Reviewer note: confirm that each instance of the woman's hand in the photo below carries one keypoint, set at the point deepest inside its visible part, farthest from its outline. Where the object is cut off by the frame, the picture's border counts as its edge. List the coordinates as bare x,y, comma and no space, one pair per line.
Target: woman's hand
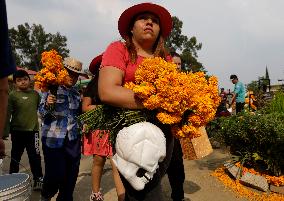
87,104
84,130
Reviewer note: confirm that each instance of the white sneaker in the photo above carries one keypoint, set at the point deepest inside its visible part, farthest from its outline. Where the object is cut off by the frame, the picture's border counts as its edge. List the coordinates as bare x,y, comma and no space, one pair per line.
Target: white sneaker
38,184
96,196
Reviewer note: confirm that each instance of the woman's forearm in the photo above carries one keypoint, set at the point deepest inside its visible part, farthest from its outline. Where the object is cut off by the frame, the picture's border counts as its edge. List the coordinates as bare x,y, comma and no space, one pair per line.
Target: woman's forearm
112,92
120,97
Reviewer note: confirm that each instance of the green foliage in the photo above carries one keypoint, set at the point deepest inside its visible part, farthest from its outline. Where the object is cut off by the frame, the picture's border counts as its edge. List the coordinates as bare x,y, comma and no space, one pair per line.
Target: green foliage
28,42
106,117
257,139
253,86
187,46
276,104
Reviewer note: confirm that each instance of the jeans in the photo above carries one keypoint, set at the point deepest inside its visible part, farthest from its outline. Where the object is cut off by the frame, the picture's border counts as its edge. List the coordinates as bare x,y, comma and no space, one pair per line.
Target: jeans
176,172
239,107
61,170
28,140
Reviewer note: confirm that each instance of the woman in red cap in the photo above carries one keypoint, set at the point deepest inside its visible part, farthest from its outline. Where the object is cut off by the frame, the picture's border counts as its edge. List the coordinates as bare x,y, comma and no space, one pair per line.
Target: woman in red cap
144,28
96,143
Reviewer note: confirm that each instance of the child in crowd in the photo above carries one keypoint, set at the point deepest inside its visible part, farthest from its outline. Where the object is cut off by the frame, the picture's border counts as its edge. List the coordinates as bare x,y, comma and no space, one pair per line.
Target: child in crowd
61,141
97,142
24,127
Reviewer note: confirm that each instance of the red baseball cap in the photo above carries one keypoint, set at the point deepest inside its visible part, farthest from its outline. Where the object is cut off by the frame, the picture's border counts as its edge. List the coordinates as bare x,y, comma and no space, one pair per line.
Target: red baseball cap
96,62
127,16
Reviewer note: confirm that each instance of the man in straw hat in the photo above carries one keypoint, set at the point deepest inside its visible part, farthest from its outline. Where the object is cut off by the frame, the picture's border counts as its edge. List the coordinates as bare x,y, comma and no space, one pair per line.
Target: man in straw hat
143,27
61,142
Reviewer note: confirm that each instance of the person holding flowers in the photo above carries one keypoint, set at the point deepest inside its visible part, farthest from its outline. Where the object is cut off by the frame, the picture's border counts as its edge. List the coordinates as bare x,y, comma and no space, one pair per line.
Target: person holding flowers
143,27
96,142
59,108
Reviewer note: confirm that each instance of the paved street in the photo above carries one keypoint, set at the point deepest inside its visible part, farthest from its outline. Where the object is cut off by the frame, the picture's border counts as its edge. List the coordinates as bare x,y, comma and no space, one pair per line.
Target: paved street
199,185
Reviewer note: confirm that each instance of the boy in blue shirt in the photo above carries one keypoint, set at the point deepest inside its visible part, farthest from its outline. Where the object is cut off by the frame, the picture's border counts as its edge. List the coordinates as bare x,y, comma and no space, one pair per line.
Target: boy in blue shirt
238,94
61,141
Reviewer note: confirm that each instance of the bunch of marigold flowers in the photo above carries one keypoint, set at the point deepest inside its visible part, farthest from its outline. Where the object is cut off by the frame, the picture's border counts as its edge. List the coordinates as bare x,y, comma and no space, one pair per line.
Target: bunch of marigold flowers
186,101
53,72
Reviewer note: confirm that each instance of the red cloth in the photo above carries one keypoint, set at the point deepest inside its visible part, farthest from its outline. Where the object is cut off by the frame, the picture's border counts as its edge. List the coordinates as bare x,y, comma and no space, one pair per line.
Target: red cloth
97,143
116,55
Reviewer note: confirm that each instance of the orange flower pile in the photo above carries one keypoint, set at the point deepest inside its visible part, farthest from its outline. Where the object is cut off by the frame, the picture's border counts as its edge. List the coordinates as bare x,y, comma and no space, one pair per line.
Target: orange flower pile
186,101
250,100
276,181
243,191
53,71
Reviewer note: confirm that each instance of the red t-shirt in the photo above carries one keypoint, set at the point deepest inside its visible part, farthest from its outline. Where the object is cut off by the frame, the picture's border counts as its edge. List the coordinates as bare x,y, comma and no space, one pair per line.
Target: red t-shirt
116,55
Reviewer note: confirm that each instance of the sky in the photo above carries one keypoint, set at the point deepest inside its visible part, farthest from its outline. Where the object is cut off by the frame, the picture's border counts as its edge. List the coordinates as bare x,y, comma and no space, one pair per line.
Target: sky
239,37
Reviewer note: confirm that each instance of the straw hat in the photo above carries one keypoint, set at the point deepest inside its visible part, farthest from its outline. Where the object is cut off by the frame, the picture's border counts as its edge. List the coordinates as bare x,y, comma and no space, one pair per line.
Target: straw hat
127,16
95,64
73,65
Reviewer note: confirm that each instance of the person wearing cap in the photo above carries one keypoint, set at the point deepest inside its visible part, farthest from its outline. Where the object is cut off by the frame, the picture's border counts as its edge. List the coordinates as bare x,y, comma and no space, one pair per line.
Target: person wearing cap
96,143
61,141
143,27
239,94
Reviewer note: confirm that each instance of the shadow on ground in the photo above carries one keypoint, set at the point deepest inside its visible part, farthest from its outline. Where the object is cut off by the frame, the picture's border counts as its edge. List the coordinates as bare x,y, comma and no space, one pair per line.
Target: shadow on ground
190,187
213,161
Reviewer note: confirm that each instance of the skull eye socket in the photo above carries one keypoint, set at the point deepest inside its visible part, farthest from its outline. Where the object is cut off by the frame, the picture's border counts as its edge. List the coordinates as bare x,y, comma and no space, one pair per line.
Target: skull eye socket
141,172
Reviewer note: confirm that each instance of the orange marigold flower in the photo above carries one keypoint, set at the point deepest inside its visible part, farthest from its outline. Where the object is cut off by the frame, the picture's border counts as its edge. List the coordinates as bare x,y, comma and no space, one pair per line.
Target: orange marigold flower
53,71
129,85
168,118
160,86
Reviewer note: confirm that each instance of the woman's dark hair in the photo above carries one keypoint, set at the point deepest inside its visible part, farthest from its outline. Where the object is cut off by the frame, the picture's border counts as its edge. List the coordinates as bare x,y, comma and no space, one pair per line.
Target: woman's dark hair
159,49
174,54
20,74
92,90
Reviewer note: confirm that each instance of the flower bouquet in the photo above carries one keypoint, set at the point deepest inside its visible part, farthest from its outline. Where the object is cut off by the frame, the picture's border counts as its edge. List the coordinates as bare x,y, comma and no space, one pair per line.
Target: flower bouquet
52,74
186,101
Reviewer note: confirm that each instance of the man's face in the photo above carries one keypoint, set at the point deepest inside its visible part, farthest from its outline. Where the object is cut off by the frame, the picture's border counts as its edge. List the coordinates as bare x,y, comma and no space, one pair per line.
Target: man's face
22,83
71,79
234,81
177,61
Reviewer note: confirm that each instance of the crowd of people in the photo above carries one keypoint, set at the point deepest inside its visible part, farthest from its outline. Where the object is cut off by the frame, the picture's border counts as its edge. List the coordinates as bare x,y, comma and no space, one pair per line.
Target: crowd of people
143,28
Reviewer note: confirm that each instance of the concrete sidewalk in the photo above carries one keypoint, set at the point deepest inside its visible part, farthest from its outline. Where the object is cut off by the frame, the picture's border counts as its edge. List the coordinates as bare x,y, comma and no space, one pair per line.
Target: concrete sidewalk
198,186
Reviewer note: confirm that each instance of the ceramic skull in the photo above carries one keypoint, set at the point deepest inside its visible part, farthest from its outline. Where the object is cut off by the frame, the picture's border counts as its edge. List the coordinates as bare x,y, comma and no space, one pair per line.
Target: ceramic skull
139,146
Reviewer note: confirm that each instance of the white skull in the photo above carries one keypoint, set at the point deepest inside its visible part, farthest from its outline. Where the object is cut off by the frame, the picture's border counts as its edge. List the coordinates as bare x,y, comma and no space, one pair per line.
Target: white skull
141,145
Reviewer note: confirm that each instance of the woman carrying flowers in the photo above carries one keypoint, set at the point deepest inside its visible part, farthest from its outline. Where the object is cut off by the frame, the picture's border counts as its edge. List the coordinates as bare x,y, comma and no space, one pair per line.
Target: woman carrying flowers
144,28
